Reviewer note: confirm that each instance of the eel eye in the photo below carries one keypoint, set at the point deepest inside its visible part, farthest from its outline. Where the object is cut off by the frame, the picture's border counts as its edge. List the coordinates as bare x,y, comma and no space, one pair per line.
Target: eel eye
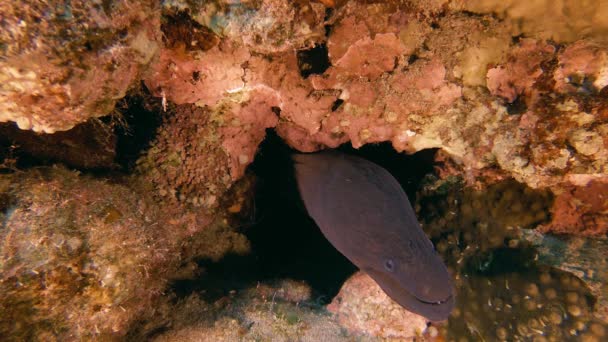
389,265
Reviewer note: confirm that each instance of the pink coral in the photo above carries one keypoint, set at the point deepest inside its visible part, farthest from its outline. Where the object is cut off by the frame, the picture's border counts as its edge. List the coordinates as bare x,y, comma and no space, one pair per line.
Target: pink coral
372,57
372,109
518,75
67,63
205,79
580,207
397,76
279,26
582,64
246,128
344,36
299,102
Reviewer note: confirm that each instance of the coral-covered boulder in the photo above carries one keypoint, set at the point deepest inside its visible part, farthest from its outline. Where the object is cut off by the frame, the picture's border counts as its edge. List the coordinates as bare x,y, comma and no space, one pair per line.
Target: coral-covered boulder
363,308
62,63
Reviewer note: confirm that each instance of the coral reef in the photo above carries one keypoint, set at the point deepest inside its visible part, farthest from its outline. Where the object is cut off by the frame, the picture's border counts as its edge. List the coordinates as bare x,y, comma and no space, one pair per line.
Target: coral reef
77,260
537,285
581,209
512,94
501,101
62,63
584,257
266,26
503,91
185,162
526,305
200,151
84,259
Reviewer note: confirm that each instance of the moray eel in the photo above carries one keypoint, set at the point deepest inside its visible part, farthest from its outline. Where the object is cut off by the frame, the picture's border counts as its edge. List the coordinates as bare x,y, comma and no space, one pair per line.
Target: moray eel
365,214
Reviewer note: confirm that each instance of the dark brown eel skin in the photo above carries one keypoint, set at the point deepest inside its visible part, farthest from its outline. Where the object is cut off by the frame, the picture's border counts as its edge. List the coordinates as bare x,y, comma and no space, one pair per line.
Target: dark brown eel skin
363,211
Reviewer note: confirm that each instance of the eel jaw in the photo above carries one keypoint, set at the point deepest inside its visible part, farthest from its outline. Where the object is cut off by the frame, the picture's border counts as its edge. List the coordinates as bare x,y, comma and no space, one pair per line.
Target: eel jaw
432,310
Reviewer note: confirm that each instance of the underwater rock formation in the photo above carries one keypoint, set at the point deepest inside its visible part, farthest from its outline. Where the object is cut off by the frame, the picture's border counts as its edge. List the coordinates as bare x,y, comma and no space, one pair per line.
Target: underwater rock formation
82,258
199,152
363,308
586,258
502,89
513,282
581,209
62,63
77,260
501,99
90,145
545,18
185,161
266,312
499,106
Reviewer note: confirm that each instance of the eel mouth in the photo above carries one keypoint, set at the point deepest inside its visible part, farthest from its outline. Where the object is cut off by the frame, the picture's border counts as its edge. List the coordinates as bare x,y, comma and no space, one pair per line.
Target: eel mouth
432,303
434,310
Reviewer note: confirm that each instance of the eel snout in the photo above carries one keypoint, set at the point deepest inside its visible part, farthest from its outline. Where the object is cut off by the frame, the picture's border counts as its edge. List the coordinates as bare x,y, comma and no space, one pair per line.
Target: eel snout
429,307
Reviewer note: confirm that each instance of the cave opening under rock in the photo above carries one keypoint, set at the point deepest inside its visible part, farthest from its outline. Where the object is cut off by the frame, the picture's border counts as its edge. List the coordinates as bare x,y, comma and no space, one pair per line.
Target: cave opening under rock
478,234
100,146
141,116
286,243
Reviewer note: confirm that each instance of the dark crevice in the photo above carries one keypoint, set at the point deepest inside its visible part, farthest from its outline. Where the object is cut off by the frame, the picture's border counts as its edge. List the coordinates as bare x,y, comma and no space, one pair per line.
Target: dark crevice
336,105
196,75
517,39
583,84
179,29
142,116
286,243
328,13
88,147
313,61
412,58
8,204
276,110
99,146
517,107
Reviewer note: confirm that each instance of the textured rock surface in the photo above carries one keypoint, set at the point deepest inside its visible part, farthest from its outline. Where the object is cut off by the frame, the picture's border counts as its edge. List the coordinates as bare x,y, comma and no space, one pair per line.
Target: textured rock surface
200,151
545,18
581,208
499,106
90,145
512,282
185,162
488,84
505,90
363,308
75,260
267,312
84,259
584,257
64,62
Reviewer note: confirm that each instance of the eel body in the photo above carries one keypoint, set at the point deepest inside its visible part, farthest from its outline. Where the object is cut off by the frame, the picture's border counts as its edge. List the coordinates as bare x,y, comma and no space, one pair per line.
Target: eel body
365,214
